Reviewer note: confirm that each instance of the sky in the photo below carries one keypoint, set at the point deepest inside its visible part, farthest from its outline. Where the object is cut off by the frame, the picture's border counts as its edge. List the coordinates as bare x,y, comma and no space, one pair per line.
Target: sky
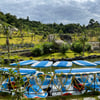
50,11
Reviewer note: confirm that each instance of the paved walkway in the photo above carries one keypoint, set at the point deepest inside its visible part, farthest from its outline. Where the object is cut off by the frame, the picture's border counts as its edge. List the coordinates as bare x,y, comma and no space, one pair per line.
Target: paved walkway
88,98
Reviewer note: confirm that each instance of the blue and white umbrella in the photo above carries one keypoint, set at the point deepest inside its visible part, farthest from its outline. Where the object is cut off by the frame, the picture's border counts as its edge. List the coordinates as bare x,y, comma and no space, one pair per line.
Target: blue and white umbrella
84,63
21,70
26,71
78,70
62,64
23,63
42,64
97,62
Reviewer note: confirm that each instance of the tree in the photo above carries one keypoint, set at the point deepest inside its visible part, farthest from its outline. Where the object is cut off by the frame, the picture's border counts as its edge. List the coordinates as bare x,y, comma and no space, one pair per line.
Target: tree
75,36
60,32
6,32
87,47
64,48
19,81
92,33
35,32
99,41
11,19
21,34
72,28
2,17
37,51
47,47
77,47
27,18
1,29
91,22
83,40
32,34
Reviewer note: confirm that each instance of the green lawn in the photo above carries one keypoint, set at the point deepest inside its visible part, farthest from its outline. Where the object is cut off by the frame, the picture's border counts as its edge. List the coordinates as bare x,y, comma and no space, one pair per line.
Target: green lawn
68,54
17,40
5,96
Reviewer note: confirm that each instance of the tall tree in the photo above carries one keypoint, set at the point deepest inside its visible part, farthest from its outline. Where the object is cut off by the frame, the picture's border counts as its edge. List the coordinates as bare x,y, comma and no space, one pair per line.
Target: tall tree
7,33
1,29
60,32
21,33
91,22
83,40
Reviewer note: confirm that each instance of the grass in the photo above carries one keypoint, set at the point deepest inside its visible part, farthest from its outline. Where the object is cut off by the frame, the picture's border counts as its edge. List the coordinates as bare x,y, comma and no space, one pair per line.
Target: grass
5,96
68,54
78,97
92,39
17,40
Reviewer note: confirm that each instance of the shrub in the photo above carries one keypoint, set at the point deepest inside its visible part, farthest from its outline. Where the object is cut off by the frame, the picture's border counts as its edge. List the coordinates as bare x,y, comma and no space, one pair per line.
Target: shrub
64,48
47,48
55,47
77,47
37,51
87,47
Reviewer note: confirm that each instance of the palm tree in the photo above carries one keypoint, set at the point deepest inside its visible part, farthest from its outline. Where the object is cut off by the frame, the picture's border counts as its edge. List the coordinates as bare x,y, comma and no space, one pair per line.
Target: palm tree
83,40
7,30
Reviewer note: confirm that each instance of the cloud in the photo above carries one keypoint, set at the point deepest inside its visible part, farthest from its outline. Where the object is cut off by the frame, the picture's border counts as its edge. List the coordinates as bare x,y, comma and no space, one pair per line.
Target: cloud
50,11
82,1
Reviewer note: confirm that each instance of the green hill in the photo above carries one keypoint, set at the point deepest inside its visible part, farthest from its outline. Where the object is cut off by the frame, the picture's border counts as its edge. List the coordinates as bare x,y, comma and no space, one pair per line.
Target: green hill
44,29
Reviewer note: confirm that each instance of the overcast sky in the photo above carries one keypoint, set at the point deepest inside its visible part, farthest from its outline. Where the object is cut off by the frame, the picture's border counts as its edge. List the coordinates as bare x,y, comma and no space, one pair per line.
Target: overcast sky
50,11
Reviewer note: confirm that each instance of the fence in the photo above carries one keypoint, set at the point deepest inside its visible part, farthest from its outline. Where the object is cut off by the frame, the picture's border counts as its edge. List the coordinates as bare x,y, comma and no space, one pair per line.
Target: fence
59,84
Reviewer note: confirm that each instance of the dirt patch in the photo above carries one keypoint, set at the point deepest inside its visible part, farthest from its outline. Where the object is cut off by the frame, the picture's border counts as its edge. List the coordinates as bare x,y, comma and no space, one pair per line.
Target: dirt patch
27,54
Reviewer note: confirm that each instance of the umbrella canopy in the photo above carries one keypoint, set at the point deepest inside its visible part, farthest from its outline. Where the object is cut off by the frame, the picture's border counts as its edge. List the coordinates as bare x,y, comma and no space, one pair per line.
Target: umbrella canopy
21,70
5,69
42,64
26,71
78,70
23,63
62,64
84,63
97,62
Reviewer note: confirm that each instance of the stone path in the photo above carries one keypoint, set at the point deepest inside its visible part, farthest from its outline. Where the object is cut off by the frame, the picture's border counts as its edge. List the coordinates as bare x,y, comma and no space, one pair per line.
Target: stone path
89,98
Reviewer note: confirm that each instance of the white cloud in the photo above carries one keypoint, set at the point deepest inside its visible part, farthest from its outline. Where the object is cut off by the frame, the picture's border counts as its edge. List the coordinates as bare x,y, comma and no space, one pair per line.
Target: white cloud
84,0
49,11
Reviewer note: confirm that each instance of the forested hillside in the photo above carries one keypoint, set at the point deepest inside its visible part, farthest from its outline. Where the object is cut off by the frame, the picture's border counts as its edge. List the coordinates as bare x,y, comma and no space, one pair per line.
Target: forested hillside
40,28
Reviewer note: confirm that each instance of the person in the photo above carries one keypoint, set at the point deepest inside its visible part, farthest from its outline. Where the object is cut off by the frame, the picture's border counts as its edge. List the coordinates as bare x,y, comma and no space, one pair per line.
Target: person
28,88
9,85
48,91
77,85
27,85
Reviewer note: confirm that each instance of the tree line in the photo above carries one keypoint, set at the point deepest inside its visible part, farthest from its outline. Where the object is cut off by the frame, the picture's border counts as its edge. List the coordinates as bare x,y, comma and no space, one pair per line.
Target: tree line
44,29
